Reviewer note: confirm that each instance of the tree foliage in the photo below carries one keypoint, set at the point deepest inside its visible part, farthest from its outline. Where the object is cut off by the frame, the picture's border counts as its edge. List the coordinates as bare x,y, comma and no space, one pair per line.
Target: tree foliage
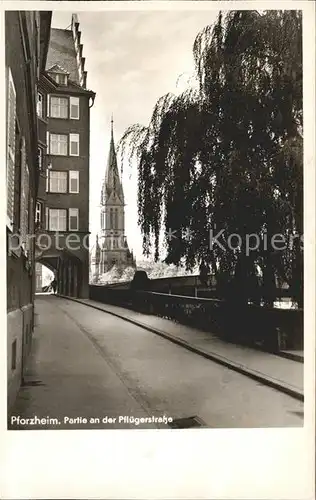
228,155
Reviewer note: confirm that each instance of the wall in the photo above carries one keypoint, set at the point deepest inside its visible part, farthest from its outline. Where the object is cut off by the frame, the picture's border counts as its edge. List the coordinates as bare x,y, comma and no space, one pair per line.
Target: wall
21,269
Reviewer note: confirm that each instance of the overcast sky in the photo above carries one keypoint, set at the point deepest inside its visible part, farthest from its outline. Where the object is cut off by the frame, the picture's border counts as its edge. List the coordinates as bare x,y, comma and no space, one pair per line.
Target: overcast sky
132,59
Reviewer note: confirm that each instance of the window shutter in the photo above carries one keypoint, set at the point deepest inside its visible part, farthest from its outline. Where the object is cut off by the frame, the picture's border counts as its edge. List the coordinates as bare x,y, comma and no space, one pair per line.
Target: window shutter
74,144
47,143
23,194
11,119
46,218
74,181
73,219
74,108
48,105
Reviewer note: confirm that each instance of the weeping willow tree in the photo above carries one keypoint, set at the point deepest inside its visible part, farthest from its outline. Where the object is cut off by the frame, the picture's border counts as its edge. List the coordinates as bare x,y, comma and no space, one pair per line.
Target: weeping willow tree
227,156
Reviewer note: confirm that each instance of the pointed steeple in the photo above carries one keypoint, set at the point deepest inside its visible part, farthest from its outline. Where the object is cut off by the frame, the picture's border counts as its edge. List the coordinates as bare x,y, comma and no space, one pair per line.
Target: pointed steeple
112,178
112,134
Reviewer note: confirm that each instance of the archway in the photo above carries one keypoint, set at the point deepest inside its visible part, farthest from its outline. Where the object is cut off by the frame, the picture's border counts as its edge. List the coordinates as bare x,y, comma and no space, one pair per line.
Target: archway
67,270
44,276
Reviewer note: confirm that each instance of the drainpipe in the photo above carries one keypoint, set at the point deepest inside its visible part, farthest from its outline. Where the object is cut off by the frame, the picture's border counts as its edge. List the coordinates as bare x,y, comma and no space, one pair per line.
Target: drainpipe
93,98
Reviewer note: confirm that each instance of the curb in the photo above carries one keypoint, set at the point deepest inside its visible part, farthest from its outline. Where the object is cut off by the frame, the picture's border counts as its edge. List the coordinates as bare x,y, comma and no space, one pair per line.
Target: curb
258,376
293,357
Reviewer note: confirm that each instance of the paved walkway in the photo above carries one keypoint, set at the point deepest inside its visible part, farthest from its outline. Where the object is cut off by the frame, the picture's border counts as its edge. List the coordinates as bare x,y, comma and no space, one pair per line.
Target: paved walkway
283,374
68,378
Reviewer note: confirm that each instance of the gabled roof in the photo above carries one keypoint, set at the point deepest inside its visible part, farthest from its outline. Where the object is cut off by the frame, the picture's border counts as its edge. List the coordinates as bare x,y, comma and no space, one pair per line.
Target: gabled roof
75,88
65,53
57,69
47,83
45,23
62,52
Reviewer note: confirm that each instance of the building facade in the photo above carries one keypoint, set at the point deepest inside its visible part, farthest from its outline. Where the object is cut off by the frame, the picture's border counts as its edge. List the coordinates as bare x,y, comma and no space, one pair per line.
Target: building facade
26,46
111,247
62,205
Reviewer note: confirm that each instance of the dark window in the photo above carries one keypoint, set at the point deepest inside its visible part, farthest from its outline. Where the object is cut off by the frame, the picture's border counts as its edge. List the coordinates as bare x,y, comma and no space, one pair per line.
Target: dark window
13,356
40,155
40,100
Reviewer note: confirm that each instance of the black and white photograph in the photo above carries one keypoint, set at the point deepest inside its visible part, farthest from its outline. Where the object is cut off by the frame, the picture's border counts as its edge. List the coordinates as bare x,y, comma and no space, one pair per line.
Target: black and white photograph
155,218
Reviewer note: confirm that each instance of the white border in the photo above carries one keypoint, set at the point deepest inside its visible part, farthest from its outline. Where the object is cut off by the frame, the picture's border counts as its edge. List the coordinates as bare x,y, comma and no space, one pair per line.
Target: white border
250,463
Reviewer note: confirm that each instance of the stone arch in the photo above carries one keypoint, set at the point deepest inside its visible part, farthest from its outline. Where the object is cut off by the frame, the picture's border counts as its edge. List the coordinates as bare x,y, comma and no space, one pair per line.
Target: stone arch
68,271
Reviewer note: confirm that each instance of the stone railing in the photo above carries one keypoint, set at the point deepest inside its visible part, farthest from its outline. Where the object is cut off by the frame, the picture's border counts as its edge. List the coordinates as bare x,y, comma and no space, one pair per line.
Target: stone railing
270,329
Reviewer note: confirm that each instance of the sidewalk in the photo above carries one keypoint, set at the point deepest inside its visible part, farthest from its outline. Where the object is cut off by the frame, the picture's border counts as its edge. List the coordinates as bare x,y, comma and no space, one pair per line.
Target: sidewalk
68,377
283,374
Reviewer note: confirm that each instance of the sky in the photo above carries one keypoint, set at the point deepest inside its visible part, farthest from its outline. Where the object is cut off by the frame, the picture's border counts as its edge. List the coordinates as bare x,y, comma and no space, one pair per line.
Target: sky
132,59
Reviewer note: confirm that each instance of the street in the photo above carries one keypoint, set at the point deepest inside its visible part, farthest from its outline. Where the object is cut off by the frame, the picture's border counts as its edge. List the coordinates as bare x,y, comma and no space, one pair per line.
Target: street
89,369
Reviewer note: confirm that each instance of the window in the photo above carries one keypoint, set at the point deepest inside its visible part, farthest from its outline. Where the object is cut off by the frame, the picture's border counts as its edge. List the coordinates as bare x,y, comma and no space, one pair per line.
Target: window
11,119
59,107
60,78
111,218
40,157
47,180
74,144
40,104
73,219
57,220
58,144
116,218
57,182
74,108
38,282
73,181
103,220
13,355
38,212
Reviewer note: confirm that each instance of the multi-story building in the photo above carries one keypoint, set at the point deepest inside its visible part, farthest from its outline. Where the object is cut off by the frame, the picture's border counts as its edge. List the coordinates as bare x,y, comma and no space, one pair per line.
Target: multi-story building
63,200
26,46
111,247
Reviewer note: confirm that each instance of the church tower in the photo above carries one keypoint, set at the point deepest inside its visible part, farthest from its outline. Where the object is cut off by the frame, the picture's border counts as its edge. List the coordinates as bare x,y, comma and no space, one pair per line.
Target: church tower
111,246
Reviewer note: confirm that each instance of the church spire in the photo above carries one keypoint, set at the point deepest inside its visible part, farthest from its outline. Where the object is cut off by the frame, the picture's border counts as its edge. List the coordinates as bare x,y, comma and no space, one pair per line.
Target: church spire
112,178
112,134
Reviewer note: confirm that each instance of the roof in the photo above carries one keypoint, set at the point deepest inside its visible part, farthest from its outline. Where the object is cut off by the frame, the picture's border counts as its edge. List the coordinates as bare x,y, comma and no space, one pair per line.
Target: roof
47,83
74,88
58,69
62,52
45,23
